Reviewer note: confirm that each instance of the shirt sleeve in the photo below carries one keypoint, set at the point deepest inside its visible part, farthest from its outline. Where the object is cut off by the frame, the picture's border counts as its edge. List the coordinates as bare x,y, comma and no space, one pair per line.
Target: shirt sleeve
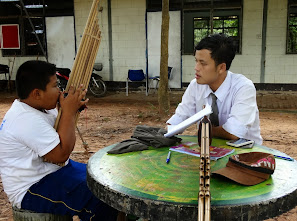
243,111
187,107
36,133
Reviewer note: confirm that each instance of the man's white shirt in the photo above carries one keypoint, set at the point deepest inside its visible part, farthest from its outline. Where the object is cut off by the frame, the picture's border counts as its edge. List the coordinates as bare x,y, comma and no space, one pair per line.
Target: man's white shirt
237,105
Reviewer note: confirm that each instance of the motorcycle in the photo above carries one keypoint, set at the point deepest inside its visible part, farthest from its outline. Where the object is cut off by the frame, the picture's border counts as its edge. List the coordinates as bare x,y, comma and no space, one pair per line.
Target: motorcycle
96,85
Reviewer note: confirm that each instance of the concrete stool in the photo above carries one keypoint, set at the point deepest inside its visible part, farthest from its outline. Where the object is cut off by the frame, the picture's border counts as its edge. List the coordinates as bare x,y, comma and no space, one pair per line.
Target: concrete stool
26,215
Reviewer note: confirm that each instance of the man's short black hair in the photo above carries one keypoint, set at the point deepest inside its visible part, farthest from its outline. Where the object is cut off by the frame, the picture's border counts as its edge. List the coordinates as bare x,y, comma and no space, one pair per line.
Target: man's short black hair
221,46
33,75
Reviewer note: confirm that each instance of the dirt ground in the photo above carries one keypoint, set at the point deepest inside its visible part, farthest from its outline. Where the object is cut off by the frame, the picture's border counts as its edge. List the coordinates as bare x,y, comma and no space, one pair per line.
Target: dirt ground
112,119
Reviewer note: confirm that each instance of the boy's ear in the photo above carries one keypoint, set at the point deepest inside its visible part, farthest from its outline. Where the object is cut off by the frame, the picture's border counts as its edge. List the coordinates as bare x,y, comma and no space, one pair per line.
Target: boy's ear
36,94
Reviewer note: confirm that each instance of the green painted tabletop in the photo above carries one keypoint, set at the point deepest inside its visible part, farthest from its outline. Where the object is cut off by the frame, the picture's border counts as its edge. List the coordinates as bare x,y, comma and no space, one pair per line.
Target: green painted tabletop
146,175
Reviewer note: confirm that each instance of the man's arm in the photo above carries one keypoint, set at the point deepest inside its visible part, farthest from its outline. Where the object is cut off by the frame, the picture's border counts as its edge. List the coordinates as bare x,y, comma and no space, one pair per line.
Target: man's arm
66,129
220,132
187,107
242,115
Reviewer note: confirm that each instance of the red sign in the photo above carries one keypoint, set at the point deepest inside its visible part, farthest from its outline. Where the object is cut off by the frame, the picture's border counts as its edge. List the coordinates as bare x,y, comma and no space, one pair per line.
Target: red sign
9,36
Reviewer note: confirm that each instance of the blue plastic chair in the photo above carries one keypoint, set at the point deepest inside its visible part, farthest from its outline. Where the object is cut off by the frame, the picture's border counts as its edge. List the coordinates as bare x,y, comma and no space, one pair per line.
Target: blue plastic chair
157,78
136,76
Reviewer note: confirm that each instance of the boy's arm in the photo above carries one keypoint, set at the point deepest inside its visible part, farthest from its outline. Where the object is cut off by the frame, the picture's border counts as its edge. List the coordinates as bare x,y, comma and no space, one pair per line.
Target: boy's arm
67,123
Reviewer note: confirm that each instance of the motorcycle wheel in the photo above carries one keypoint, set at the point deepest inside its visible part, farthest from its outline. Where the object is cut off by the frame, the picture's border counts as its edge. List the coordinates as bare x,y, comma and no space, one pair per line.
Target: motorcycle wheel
97,86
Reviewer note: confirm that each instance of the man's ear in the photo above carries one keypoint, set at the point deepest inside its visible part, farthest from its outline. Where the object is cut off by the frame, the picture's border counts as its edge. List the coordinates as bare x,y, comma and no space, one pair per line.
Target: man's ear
36,94
222,67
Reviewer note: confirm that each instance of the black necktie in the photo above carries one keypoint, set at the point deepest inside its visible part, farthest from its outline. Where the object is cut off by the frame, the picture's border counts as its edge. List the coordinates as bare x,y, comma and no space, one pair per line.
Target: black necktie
214,117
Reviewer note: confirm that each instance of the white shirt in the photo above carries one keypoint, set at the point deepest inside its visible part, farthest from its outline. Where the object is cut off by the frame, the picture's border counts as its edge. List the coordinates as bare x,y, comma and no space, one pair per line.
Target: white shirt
26,135
236,101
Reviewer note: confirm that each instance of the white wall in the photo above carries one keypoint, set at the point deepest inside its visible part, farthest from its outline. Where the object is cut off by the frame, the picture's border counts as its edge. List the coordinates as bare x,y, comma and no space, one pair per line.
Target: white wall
128,34
14,63
154,20
60,41
280,67
249,62
129,41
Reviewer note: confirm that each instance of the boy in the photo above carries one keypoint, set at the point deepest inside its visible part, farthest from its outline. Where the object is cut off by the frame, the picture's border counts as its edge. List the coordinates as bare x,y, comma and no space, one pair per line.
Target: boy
233,96
29,142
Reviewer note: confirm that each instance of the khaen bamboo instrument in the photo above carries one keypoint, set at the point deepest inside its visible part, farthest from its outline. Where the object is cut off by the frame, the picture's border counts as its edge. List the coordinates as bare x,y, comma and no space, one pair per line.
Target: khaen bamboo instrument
86,55
204,140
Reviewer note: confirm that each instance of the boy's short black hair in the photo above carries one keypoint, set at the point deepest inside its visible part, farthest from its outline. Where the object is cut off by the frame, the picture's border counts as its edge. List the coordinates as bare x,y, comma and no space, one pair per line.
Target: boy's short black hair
221,46
33,75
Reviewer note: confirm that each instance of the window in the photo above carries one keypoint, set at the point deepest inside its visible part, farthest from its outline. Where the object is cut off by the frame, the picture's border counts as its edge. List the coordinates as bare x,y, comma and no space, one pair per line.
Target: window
228,25
197,26
32,23
226,18
292,27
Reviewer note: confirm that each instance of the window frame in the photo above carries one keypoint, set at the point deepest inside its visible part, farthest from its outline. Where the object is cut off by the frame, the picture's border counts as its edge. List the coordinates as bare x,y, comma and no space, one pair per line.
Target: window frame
222,20
291,3
188,40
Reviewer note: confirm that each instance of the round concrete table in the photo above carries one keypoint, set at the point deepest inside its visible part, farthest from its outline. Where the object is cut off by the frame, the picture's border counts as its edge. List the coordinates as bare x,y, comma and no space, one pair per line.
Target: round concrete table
142,184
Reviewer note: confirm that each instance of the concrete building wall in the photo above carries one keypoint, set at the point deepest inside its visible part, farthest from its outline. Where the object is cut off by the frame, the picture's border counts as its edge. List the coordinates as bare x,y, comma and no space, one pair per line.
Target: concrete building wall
129,41
15,63
280,67
128,35
249,62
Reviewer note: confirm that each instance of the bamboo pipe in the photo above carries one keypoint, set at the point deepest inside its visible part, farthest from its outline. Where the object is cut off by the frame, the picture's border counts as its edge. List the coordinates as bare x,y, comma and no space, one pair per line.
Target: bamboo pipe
86,55
207,180
201,206
201,194
207,205
83,63
94,45
81,50
202,150
204,185
92,60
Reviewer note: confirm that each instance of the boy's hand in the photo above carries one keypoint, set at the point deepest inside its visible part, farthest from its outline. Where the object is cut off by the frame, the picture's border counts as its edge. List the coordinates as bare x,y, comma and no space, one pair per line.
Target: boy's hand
74,100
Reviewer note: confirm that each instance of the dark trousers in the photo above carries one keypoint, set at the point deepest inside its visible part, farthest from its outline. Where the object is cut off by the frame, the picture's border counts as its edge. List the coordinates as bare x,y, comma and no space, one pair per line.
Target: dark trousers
65,192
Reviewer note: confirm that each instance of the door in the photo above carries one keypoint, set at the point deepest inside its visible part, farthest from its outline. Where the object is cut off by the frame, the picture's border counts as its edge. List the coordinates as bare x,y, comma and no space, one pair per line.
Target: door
154,21
60,41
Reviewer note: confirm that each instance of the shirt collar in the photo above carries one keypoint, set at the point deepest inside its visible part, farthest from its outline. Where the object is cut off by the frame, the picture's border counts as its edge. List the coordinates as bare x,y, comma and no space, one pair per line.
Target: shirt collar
222,91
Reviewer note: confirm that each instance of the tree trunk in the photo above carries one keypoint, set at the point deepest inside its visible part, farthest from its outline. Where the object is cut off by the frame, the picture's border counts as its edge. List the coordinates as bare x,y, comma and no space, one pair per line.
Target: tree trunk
163,96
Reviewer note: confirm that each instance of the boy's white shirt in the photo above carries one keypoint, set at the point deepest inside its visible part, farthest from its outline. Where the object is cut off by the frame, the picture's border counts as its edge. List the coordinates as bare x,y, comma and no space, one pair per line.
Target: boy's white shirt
26,134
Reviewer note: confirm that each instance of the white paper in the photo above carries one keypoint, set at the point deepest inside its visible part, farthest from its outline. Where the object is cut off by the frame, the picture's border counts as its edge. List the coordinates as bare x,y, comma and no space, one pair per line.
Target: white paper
176,129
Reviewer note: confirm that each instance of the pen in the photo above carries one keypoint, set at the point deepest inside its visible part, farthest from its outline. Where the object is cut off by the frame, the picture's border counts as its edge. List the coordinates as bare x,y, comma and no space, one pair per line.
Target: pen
284,158
168,157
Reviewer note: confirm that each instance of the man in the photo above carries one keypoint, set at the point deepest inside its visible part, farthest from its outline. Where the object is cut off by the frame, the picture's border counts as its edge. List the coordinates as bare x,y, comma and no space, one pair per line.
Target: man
31,150
235,95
